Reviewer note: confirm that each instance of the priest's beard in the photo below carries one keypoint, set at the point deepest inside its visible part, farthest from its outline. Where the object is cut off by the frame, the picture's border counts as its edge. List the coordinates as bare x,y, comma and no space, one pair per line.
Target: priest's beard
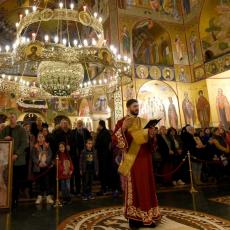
134,113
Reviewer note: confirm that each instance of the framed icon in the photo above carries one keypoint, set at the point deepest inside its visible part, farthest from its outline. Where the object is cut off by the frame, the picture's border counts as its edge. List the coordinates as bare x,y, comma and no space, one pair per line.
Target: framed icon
6,168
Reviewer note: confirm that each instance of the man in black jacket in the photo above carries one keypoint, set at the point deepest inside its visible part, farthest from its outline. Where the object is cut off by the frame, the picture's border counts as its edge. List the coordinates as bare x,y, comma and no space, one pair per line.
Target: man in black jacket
166,149
79,137
103,147
62,134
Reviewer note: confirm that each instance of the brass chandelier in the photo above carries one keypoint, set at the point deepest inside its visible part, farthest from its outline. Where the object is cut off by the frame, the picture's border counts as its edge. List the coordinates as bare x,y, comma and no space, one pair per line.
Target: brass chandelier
67,66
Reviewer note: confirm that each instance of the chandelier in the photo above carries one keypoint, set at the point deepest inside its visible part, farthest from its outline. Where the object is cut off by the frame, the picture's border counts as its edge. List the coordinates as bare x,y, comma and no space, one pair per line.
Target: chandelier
69,64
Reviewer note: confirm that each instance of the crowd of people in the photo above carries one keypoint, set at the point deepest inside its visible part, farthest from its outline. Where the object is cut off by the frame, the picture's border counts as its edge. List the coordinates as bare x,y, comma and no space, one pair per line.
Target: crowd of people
84,156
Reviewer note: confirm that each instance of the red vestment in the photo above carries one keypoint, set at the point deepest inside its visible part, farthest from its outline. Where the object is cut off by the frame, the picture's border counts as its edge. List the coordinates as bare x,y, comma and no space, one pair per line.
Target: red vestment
140,191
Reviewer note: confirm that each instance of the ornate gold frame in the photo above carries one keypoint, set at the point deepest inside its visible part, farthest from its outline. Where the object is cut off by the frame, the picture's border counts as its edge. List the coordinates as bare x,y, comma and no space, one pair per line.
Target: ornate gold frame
9,175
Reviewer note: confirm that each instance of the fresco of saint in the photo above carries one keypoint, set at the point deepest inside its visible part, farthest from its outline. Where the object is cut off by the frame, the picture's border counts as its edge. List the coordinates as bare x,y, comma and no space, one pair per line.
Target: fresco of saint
193,46
188,110
223,109
172,114
179,48
125,38
203,110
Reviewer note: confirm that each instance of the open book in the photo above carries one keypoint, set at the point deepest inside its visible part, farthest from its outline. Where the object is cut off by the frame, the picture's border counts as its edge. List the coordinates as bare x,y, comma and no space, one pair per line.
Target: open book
152,123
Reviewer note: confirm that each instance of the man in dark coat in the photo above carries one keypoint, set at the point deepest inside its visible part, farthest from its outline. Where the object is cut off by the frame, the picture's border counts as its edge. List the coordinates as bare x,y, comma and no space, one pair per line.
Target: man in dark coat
17,134
62,134
103,147
79,137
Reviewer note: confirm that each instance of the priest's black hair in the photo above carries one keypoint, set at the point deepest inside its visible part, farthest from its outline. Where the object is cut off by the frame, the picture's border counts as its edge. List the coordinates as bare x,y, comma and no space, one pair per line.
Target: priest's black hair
130,102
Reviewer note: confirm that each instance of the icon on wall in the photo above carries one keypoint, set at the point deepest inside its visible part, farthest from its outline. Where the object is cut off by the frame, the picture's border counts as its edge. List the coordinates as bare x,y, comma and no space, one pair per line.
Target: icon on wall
155,73
142,72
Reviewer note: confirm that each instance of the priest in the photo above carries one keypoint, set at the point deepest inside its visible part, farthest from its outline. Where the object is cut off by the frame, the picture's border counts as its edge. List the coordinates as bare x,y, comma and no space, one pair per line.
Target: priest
134,142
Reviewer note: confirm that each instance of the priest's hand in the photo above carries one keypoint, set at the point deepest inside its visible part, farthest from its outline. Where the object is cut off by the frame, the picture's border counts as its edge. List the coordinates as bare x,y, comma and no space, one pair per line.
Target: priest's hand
127,123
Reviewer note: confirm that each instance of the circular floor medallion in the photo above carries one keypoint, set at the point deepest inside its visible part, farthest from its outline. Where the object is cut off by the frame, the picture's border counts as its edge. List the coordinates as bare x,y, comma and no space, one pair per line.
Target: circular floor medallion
172,219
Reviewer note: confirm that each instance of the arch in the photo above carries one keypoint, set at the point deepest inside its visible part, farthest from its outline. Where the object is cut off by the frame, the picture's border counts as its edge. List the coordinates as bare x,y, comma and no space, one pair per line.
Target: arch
158,100
30,116
151,44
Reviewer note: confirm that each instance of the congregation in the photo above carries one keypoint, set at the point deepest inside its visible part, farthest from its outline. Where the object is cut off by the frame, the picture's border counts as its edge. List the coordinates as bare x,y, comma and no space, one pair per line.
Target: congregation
84,157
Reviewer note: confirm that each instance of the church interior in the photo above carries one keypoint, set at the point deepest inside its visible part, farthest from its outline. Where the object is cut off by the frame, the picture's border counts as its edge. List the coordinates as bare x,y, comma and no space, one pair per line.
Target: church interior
65,61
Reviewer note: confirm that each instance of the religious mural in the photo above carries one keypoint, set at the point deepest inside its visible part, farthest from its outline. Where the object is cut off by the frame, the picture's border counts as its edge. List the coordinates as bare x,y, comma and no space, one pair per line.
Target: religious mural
167,8
151,44
125,41
100,104
194,45
188,110
158,100
154,72
182,73
219,99
7,101
189,5
84,109
203,110
215,28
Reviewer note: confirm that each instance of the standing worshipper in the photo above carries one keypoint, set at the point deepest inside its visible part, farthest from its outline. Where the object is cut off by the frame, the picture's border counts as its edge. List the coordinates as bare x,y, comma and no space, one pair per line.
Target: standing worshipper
37,127
18,135
79,137
103,147
141,205
62,134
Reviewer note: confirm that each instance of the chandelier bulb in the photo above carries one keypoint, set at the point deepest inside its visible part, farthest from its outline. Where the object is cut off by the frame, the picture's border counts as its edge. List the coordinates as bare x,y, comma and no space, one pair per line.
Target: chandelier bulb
71,6
34,8
56,39
64,41
26,12
84,8
61,5
7,48
100,19
16,24
94,42
95,14
85,42
46,37
75,42
33,36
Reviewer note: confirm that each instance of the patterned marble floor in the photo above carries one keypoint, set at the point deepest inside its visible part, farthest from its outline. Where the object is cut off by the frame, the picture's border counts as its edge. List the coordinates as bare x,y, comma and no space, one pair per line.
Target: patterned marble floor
172,219
222,200
27,216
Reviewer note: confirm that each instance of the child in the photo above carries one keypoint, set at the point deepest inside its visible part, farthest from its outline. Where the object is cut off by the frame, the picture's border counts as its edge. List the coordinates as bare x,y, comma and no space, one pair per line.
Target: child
42,159
88,166
65,170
